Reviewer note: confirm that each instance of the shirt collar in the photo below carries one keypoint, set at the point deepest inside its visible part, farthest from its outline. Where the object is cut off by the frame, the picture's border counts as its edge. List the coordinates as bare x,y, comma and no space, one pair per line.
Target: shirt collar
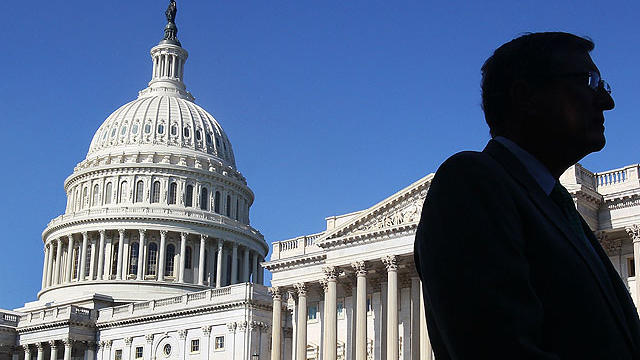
539,172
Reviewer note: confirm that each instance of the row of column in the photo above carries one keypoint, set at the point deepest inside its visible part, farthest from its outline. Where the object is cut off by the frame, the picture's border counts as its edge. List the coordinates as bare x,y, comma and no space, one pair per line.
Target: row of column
54,347
634,233
167,65
52,269
330,344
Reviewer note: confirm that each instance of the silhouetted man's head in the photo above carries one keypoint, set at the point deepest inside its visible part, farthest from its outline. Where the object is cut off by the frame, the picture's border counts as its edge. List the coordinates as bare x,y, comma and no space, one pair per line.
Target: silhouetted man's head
543,91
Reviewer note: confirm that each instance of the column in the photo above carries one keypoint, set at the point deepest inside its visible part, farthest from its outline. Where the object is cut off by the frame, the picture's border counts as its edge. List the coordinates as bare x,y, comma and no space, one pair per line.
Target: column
634,234
69,258
141,246
147,352
107,259
425,345
361,312
245,265
201,269
83,256
254,268
163,240
120,253
68,343
54,350
206,340
301,326
276,323
392,307
90,353
126,354
56,274
45,267
27,352
234,263
331,313
183,249
101,256
219,264
415,317
49,280
260,272
92,262
126,250
40,348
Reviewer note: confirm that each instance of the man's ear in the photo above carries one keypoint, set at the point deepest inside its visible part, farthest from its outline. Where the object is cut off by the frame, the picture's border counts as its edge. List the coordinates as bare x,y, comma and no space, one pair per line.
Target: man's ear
523,98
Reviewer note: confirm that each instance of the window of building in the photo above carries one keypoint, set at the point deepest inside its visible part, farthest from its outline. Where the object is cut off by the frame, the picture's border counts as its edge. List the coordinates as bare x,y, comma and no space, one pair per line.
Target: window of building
204,199
152,258
173,189
96,195
84,198
113,132
139,352
107,193
228,205
219,343
198,134
155,193
369,304
166,350
631,267
312,312
218,142
195,345
147,128
134,129
174,130
160,129
169,260
114,258
123,131
216,203
76,258
118,355
208,139
187,257
186,132
133,258
123,191
188,197
87,262
139,191
340,308
237,206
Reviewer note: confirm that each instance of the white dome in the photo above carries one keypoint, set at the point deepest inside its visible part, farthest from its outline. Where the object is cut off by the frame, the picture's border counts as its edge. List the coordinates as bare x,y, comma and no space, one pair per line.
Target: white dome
165,122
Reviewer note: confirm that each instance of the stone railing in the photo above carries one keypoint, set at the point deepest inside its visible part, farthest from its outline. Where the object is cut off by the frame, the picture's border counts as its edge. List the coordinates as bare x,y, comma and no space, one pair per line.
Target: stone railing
148,211
66,312
232,293
616,180
8,318
294,247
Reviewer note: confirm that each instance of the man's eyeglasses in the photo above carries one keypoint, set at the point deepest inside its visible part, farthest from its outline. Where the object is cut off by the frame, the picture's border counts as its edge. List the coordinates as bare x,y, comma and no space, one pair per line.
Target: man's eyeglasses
593,81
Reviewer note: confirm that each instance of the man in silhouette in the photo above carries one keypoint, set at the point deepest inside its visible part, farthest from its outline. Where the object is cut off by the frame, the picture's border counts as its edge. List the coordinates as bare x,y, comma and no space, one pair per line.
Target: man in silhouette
509,268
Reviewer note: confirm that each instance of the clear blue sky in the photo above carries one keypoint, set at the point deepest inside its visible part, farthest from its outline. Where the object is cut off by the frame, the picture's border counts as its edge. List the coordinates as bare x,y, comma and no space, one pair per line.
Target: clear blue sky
331,106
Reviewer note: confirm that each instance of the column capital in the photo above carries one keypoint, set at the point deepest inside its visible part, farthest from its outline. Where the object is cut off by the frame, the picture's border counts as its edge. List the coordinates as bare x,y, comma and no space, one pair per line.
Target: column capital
183,235
164,232
121,232
67,342
390,262
330,273
149,338
101,232
634,232
108,343
324,283
128,341
92,345
141,231
39,346
220,244
359,267
204,237
85,234
182,334
235,244
206,330
232,327
275,292
53,344
301,289
70,237
26,347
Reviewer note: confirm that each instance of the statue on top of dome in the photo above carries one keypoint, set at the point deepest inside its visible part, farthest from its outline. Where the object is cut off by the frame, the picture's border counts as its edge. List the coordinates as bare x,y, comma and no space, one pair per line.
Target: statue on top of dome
171,12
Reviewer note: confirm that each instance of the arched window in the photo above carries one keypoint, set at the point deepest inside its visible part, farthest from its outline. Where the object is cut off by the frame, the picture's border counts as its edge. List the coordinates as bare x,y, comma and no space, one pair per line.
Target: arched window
114,258
204,199
188,197
237,206
133,258
174,130
107,193
84,198
74,205
168,261
96,195
187,257
216,203
228,205
124,189
139,191
76,260
186,132
173,189
152,258
87,262
155,194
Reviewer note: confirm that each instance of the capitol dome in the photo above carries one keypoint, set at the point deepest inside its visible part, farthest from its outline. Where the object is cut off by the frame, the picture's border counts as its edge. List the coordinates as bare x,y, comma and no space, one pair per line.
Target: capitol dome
157,207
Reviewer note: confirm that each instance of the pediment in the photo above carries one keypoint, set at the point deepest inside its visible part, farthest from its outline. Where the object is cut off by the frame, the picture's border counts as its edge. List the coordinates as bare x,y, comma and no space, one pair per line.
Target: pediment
398,211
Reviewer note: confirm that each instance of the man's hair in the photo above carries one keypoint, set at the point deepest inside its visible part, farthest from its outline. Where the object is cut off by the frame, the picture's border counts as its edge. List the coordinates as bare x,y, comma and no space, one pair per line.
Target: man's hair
528,58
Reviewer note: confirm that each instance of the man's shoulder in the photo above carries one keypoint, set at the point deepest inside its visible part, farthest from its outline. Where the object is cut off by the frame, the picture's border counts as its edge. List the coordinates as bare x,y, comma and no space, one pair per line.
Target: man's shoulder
468,162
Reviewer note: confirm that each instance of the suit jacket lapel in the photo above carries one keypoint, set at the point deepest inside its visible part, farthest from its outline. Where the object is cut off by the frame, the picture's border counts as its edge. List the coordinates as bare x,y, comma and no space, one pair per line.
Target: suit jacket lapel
555,216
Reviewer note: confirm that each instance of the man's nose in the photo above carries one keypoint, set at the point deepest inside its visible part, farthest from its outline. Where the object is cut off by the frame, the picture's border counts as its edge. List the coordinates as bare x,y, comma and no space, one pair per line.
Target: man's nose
605,101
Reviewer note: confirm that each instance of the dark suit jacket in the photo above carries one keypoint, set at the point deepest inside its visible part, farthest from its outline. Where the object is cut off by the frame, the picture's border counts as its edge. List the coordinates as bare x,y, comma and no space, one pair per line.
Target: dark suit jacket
504,276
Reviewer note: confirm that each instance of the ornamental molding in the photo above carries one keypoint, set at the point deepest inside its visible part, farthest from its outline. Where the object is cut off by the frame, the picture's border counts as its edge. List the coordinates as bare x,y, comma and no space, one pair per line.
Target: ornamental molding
398,212
275,293
634,232
622,202
149,338
295,261
390,262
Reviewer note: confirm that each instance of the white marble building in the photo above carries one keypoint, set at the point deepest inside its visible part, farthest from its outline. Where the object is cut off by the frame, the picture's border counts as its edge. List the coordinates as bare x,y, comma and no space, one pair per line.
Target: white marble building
154,257
366,258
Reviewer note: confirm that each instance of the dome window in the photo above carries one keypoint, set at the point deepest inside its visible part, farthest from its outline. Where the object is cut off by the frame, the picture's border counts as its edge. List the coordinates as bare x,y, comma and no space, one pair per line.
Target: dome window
208,139
216,203
147,129
152,259
204,199
174,130
113,132
173,189
198,135
123,131
134,129
155,192
139,191
160,129
186,131
188,196
104,134
133,258
107,193
217,142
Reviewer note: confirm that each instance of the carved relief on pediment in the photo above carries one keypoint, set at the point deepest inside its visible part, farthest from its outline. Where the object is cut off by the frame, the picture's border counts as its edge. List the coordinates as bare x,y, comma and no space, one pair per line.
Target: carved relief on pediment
406,212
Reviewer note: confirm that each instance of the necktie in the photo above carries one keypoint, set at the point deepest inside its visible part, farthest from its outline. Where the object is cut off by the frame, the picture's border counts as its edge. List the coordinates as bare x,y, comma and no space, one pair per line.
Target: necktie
563,199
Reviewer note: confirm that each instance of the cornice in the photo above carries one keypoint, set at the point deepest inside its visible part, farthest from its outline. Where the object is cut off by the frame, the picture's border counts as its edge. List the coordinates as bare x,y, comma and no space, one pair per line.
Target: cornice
291,262
54,325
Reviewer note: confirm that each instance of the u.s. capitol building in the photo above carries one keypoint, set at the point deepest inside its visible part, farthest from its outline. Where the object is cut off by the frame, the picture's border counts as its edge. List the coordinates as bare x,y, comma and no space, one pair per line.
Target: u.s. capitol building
154,257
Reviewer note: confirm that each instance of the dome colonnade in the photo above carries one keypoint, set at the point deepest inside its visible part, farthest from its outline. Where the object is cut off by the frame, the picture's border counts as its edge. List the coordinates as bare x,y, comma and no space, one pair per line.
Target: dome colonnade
158,206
